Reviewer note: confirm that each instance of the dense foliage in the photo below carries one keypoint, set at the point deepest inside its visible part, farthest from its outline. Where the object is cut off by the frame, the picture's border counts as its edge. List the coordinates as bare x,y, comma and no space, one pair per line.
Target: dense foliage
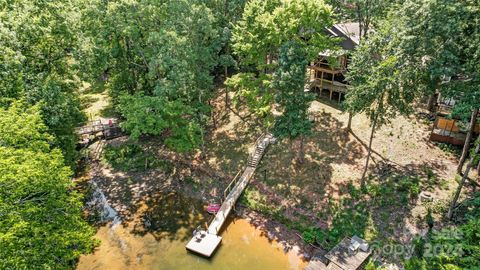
157,55
289,82
159,59
37,55
158,116
275,40
452,248
438,44
41,226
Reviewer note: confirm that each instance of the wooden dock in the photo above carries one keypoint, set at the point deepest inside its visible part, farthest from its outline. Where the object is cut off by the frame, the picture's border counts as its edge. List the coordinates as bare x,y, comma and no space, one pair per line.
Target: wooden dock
341,257
205,242
97,128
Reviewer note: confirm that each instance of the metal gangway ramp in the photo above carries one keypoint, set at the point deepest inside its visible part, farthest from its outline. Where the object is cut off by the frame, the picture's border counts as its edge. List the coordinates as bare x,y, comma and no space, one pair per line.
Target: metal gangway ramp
205,242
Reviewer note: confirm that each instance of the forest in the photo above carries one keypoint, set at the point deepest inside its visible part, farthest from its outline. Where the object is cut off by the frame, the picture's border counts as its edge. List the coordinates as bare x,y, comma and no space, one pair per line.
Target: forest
192,83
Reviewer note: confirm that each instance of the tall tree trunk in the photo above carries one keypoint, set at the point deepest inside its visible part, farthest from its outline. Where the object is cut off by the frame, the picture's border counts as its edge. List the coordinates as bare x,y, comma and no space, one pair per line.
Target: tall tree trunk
431,103
362,180
301,151
466,146
349,123
462,182
214,119
478,171
359,19
227,105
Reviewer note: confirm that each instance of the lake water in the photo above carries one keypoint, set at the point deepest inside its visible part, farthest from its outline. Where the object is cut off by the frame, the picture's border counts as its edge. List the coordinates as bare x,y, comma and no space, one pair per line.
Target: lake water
156,239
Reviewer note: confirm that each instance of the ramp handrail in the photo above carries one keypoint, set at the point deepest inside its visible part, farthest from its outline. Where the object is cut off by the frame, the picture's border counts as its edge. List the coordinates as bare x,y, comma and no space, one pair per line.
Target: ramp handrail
231,185
251,154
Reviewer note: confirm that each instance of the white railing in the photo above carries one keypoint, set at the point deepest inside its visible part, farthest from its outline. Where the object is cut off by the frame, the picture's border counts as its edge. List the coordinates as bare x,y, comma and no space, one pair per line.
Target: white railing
231,185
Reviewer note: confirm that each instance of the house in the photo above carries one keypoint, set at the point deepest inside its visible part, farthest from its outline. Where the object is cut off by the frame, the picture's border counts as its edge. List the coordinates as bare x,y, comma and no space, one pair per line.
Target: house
328,79
447,129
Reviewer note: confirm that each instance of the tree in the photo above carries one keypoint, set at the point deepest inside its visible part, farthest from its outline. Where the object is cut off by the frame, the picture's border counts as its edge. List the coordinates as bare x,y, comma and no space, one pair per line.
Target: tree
156,50
158,116
265,27
41,225
227,12
374,88
430,54
468,139
37,45
366,13
438,41
289,81
255,93
473,160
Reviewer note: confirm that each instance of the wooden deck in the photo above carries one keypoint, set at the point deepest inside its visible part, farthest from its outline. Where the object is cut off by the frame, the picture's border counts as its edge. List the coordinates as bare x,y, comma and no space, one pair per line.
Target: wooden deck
316,263
206,242
108,131
340,258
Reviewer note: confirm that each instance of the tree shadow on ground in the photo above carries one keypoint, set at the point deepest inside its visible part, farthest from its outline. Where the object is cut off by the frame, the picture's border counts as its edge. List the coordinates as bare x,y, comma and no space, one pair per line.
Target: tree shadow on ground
381,213
87,101
228,148
97,87
109,112
308,182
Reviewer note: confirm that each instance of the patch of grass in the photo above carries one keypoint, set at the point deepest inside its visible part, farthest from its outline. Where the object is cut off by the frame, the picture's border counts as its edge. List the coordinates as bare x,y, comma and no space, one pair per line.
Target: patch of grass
252,199
432,180
131,157
366,213
194,182
108,111
349,219
451,149
88,100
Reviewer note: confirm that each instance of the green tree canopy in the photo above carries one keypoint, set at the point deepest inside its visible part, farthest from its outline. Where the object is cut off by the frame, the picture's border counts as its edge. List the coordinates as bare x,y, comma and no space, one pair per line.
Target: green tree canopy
37,44
289,81
41,225
258,37
438,44
158,116
163,50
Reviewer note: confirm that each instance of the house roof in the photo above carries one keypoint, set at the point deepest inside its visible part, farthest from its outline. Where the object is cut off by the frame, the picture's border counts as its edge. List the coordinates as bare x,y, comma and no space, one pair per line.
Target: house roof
349,32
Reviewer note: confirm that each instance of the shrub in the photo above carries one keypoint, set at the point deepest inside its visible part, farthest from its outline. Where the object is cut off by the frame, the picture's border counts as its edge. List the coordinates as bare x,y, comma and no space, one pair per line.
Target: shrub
131,157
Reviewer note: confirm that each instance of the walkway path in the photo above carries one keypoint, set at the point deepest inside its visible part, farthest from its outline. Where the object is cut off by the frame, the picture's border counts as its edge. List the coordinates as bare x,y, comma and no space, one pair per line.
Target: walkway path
205,242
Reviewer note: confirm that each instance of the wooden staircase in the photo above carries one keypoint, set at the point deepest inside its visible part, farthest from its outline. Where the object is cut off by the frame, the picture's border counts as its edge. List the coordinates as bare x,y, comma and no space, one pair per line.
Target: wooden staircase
260,147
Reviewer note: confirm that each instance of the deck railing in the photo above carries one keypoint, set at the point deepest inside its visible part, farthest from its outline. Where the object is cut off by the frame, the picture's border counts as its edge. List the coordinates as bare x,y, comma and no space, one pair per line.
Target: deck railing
231,185
252,154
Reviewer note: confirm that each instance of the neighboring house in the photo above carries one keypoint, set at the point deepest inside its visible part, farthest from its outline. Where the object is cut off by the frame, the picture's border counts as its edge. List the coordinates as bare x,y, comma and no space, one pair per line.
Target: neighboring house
326,78
447,129
452,131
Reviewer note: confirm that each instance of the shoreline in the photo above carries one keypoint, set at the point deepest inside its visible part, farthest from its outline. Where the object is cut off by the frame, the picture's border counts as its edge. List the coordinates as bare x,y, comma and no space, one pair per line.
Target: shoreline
151,184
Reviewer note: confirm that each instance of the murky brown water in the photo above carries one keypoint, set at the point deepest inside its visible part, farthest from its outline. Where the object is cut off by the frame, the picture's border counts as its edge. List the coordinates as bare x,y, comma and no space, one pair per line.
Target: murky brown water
160,244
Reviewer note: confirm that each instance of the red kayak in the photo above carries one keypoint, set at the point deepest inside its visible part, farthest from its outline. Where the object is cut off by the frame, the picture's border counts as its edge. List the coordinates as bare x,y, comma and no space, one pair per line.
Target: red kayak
213,208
